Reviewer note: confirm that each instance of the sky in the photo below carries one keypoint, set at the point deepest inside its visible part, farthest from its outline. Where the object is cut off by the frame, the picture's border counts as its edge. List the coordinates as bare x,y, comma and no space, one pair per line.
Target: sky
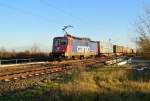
24,23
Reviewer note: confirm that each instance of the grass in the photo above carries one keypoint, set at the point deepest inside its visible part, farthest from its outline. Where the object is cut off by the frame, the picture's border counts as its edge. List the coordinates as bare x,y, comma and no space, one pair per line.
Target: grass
101,84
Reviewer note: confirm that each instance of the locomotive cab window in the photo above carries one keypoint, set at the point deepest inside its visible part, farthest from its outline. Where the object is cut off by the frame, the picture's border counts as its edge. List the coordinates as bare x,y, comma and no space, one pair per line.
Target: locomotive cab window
60,41
63,41
56,42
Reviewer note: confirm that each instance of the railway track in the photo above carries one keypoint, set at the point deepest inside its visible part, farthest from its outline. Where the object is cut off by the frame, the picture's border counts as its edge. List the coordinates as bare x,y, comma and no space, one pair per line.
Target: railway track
7,75
28,71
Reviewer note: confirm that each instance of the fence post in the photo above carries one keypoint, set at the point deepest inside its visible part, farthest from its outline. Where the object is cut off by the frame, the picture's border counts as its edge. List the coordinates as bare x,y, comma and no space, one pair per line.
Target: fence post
16,61
29,60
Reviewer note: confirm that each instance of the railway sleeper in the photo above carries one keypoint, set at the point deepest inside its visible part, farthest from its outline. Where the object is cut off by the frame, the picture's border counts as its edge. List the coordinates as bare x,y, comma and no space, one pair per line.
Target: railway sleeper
36,74
23,77
30,75
42,73
15,78
6,80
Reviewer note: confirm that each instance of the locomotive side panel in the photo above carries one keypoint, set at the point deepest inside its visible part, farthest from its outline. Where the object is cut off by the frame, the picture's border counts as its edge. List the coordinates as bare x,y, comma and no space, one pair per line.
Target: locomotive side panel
83,48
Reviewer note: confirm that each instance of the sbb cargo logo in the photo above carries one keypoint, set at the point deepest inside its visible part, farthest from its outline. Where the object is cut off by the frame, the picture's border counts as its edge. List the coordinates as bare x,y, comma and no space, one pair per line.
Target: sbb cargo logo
83,49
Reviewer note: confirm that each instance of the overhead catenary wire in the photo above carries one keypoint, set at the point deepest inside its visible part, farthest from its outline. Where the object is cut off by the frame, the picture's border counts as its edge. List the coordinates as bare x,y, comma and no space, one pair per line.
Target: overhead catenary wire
81,21
48,4
41,17
26,12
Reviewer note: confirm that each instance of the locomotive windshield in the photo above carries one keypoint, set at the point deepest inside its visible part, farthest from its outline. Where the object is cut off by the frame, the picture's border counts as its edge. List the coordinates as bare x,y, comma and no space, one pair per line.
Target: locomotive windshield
60,41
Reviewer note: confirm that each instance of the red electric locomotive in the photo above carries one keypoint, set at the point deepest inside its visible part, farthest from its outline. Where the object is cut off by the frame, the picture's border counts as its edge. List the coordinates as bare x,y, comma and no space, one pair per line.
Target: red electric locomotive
71,47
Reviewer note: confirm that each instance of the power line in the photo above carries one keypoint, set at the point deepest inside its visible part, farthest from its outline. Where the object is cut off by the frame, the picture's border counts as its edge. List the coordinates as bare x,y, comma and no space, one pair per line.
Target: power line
26,12
23,11
61,10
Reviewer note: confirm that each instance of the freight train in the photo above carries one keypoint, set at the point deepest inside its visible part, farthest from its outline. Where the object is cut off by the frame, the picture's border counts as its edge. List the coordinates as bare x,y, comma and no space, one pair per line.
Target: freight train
69,46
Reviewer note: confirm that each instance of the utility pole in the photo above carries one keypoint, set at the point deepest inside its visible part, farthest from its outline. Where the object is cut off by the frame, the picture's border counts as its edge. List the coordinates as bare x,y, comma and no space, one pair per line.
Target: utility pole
109,40
136,46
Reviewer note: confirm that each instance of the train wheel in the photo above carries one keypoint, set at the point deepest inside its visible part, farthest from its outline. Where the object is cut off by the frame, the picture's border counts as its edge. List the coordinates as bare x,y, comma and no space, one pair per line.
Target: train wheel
73,57
81,57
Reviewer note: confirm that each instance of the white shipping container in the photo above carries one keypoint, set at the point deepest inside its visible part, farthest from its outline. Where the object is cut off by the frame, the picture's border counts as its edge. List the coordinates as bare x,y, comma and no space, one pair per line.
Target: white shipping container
106,47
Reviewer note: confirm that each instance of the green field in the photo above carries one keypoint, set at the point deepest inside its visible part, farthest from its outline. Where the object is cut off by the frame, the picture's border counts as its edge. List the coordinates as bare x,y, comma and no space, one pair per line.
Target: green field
101,84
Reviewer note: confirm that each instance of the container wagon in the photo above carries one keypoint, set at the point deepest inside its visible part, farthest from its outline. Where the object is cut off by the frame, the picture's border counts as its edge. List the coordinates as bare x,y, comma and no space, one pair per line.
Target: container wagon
118,50
106,48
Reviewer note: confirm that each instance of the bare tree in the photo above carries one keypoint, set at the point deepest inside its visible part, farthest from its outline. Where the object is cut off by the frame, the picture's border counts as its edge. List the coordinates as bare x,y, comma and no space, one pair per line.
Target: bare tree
35,49
143,29
2,52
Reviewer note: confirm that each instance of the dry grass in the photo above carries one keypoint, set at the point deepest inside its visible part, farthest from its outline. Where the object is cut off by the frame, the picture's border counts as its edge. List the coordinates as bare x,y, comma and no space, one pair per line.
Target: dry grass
94,85
104,85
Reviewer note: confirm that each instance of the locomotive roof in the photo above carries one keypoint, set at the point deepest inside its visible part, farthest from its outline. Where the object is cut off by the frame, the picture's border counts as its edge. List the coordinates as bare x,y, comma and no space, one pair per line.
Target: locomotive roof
79,38
83,38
